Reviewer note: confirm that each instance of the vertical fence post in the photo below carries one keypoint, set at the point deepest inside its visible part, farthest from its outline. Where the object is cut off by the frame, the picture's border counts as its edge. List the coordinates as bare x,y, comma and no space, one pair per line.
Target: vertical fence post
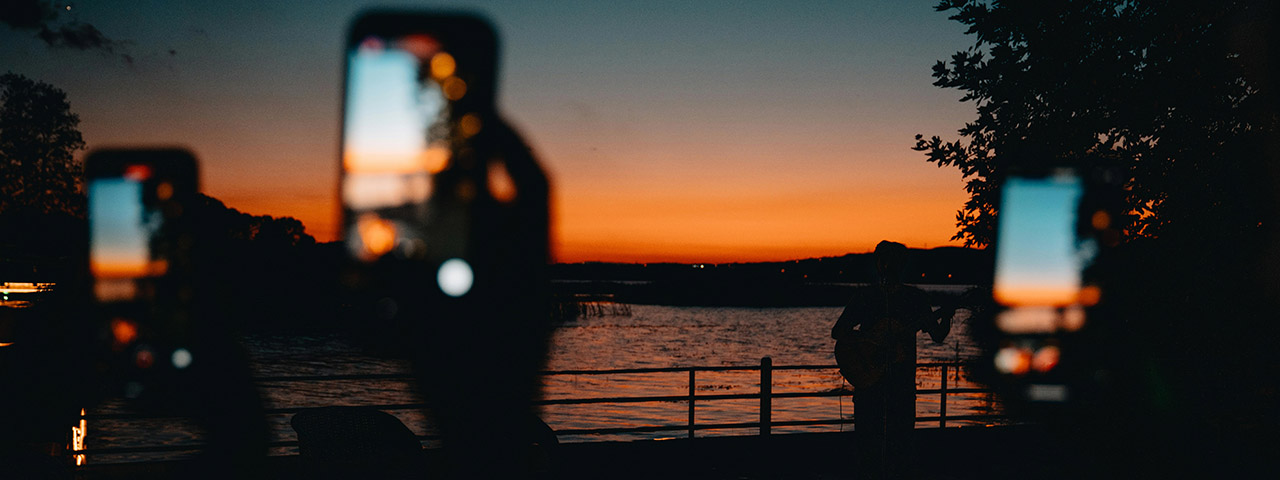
766,396
691,391
942,401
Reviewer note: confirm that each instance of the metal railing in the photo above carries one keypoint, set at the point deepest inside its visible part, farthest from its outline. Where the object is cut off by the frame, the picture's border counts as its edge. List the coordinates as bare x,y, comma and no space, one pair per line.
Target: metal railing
766,395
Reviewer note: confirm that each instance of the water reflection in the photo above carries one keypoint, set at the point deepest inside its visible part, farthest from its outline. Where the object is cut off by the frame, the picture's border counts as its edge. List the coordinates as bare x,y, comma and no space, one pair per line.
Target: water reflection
652,336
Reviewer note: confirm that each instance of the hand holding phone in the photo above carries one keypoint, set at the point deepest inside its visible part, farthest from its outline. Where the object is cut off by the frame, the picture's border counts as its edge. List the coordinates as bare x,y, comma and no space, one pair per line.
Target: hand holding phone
140,260
445,219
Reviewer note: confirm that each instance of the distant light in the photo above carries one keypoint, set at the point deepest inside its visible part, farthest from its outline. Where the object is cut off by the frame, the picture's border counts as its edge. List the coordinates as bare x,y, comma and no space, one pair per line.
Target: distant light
501,186
443,65
1046,358
78,434
436,157
469,125
164,191
181,358
144,358
1100,220
1013,360
376,234
454,88
137,172
124,331
455,277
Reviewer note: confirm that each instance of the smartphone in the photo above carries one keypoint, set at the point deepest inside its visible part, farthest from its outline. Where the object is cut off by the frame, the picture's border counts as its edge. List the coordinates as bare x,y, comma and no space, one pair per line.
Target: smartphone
140,258
1039,257
445,221
439,195
418,88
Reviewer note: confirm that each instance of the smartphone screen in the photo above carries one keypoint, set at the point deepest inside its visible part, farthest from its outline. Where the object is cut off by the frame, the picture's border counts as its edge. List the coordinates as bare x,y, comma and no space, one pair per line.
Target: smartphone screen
396,136
122,230
140,255
1039,259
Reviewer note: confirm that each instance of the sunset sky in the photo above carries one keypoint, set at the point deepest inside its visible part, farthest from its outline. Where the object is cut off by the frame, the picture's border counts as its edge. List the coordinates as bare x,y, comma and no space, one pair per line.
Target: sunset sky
673,131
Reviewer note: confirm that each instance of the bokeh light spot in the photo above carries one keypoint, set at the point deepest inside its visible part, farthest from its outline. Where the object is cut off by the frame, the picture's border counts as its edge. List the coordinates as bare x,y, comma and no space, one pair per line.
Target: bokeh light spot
501,186
181,358
376,234
454,88
469,125
1046,358
164,191
1013,360
455,277
443,65
144,358
436,157
1100,220
123,331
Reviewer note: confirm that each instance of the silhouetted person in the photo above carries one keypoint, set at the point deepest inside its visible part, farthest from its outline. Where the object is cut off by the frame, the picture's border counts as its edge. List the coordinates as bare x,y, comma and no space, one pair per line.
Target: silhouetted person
888,315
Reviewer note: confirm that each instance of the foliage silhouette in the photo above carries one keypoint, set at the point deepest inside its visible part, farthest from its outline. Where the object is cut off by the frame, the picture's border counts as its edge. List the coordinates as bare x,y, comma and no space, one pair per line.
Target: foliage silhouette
1178,99
1162,92
38,141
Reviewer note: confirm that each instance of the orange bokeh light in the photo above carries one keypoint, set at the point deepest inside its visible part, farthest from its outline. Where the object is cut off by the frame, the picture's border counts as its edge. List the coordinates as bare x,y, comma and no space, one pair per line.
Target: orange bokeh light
443,65
377,235
501,186
123,331
454,88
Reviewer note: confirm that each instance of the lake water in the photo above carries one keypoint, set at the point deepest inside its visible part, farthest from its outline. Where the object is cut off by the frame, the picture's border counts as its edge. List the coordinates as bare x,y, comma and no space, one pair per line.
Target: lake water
651,337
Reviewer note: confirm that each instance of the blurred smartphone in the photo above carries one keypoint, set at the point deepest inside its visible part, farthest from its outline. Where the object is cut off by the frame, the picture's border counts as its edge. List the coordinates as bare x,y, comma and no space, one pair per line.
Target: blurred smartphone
418,87
1039,256
1039,264
139,257
444,208
444,214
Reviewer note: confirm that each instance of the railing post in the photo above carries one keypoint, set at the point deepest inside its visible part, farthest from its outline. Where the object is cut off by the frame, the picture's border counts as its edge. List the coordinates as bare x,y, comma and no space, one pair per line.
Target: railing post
766,396
691,391
942,402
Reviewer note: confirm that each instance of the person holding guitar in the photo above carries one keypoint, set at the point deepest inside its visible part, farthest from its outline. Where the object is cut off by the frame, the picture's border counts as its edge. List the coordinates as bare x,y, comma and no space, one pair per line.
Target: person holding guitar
876,351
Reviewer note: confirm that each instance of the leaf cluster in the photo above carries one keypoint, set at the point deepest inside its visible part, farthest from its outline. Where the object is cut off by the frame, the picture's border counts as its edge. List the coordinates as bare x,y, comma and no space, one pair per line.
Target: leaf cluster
38,139
1161,91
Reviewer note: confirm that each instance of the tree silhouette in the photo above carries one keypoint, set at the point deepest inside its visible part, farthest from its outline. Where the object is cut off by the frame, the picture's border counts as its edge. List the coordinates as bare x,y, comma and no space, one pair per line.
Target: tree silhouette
1160,91
38,140
1178,97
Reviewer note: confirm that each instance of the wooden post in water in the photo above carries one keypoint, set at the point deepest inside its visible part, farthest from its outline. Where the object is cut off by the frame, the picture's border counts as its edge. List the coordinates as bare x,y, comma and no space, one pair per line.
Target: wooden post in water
766,396
691,392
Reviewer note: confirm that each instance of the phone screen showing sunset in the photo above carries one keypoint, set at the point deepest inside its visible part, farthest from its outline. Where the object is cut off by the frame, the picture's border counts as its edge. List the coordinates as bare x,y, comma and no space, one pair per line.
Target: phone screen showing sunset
120,230
1037,259
394,138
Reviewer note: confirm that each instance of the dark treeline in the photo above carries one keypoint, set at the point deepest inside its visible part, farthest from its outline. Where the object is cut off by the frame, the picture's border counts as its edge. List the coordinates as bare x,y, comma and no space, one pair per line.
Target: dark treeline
825,281
268,272
264,272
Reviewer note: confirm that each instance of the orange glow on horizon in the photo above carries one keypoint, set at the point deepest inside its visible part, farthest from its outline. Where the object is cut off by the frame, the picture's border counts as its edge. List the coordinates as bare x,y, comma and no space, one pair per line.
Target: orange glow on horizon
431,159
117,269
639,205
1033,296
725,226
612,226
